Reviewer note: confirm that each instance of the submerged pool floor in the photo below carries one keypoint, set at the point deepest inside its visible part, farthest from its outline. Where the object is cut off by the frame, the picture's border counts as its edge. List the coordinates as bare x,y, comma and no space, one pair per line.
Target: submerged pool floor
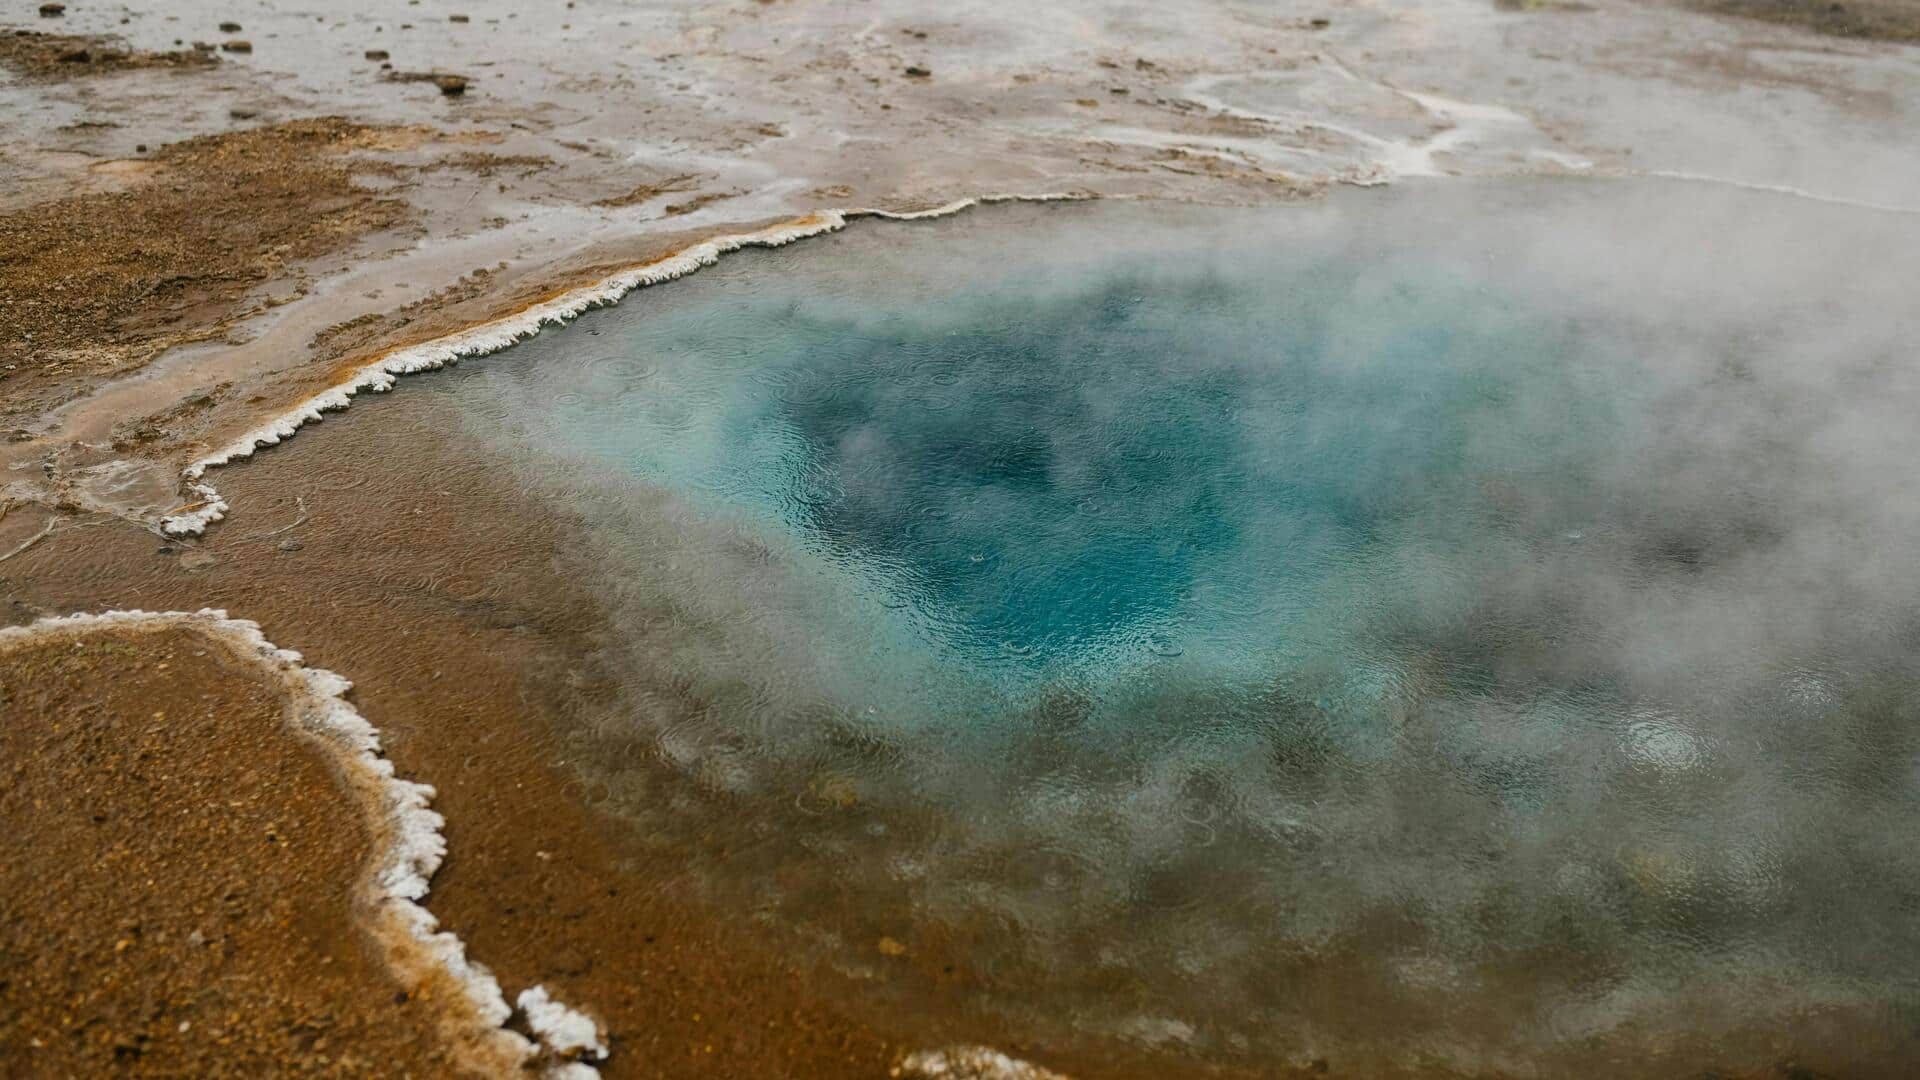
1469,626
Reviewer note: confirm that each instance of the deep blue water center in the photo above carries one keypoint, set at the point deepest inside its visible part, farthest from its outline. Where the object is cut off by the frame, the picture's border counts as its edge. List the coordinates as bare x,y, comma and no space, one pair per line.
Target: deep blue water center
1468,624
1065,476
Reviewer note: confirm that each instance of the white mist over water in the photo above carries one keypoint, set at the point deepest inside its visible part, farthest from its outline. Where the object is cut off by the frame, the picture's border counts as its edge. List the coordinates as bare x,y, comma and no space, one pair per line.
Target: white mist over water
1466,624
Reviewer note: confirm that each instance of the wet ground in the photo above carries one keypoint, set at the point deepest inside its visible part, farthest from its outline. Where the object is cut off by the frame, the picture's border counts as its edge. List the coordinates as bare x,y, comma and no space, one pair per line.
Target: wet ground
191,246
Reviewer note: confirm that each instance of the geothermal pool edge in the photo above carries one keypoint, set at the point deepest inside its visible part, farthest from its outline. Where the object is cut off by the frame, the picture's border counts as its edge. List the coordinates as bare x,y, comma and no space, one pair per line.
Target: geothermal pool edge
379,375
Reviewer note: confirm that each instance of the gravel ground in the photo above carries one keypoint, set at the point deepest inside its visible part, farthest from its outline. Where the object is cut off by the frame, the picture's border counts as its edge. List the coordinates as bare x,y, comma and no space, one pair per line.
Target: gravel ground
186,903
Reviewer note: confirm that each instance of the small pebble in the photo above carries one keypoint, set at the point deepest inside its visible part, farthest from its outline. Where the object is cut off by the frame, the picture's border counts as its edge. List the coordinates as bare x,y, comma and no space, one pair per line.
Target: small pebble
237,45
229,27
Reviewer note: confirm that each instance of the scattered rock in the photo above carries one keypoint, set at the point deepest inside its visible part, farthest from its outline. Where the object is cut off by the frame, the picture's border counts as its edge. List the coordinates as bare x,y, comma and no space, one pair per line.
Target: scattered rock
237,45
376,54
915,71
52,11
449,84
1319,24
229,27
243,114
76,56
291,545
458,18
203,46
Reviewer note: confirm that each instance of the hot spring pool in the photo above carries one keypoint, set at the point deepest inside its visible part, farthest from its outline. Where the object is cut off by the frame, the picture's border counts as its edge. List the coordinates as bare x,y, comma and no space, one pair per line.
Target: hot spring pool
1469,626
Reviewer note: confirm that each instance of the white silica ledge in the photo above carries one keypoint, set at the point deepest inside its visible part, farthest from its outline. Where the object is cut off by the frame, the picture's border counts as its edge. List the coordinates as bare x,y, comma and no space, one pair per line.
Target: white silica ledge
970,1063
563,1030
207,505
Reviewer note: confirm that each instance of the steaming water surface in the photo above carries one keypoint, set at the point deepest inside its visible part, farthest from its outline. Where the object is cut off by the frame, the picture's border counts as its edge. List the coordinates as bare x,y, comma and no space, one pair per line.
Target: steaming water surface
1472,625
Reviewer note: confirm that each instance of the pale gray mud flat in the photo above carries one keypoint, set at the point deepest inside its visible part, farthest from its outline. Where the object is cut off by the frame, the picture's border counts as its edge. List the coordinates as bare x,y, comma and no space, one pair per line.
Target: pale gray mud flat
1227,539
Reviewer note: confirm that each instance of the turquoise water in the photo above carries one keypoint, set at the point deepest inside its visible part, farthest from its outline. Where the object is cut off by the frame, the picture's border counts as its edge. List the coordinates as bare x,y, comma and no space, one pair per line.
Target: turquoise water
1072,486
1467,625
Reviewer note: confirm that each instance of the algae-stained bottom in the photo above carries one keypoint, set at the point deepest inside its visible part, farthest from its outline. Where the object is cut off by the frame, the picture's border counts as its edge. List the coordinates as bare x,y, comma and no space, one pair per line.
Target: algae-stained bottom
1467,626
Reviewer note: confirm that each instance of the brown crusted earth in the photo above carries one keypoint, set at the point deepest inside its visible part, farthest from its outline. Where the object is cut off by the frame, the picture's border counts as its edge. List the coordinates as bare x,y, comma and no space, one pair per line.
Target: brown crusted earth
1880,20
448,658
181,908
97,284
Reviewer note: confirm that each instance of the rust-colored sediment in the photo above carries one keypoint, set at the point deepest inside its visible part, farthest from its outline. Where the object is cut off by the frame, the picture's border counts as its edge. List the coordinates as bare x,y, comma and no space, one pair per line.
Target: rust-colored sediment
187,902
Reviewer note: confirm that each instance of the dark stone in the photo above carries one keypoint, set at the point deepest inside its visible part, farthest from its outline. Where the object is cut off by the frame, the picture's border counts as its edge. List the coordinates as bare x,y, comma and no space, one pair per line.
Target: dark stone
229,27
376,54
238,45
51,11
915,71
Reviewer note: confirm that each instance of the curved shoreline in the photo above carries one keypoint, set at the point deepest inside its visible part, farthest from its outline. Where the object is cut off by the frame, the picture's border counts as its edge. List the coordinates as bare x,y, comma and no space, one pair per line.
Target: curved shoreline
380,375
409,847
